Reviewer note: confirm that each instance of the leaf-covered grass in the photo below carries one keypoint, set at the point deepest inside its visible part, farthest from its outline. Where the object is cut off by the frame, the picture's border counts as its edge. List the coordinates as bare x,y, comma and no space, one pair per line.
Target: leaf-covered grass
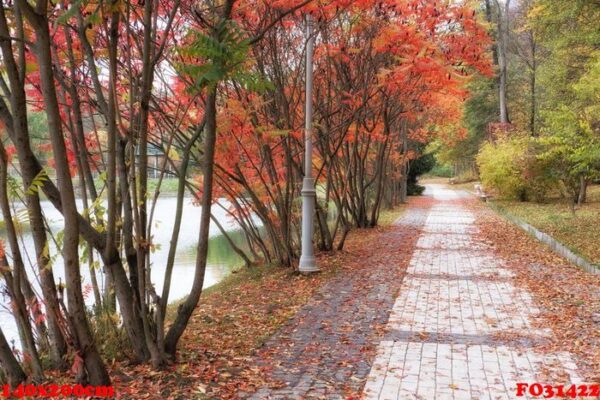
578,231
233,321
389,216
468,186
567,296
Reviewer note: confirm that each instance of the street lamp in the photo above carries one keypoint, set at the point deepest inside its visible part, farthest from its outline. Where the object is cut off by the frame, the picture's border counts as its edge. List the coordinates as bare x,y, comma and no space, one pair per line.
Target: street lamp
309,194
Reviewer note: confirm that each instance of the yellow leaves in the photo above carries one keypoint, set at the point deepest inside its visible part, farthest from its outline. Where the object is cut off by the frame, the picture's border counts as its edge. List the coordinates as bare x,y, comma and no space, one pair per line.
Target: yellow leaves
567,296
279,132
90,34
31,66
536,11
422,52
173,154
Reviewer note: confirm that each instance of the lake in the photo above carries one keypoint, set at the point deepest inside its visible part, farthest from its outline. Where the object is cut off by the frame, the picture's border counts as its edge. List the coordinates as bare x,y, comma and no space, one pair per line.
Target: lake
221,259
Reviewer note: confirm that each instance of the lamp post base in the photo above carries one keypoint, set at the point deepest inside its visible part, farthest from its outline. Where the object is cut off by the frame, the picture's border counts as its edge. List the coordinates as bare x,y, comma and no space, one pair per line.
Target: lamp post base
307,257
308,265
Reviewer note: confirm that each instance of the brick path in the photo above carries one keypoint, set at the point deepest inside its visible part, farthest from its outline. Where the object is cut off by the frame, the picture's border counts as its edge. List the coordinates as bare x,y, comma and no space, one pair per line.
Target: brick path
324,352
459,328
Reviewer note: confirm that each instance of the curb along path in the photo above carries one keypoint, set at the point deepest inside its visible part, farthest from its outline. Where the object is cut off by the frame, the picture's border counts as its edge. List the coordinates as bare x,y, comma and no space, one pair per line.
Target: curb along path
459,328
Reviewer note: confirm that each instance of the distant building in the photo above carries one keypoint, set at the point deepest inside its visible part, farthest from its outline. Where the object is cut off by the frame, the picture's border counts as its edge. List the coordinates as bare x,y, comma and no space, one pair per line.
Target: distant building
156,159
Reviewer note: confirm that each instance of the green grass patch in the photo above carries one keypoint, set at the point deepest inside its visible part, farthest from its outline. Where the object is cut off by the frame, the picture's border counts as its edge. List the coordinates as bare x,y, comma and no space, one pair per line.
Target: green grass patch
578,230
468,186
168,185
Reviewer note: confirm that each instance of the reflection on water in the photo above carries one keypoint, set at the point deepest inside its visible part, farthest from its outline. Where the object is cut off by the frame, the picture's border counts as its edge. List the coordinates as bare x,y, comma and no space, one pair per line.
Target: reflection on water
221,259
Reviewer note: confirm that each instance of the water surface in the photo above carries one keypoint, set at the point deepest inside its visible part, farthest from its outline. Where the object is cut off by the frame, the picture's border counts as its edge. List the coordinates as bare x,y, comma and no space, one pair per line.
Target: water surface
221,259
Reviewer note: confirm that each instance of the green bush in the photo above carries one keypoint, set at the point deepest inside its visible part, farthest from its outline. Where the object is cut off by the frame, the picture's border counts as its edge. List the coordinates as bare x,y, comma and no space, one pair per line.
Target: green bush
501,166
442,171
414,190
512,168
539,174
420,166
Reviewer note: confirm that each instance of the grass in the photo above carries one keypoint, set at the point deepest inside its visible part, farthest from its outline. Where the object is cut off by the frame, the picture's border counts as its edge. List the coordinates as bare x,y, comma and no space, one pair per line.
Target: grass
230,284
577,231
469,186
389,216
168,185
234,320
241,297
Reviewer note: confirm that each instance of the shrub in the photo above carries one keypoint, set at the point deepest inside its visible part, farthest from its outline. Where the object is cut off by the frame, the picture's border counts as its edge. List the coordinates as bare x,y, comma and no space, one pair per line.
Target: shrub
513,167
442,171
501,166
538,173
420,166
414,190
466,177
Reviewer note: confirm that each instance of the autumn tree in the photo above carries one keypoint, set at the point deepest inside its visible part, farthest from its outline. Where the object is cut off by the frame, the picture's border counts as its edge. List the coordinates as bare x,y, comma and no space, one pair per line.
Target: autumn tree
218,87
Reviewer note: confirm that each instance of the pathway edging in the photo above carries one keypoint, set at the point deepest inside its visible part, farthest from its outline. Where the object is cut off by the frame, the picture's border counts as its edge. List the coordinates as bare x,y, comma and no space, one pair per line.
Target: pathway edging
461,328
555,245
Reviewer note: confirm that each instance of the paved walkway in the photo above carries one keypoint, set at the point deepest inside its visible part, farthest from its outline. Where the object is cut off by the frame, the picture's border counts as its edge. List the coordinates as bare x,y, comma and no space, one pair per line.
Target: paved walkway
459,328
325,350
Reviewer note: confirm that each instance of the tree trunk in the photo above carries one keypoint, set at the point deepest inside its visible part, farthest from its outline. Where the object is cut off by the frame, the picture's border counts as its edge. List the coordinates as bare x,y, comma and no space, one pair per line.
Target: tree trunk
532,85
86,179
187,307
96,371
13,283
489,18
18,131
581,197
326,242
10,365
405,163
503,26
142,239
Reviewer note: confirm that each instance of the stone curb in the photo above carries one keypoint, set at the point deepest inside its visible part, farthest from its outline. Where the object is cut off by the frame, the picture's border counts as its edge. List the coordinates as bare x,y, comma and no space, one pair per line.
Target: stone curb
554,244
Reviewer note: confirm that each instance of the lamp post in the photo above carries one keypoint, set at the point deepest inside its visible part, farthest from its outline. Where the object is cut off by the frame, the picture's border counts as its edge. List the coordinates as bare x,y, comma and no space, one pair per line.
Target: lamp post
309,194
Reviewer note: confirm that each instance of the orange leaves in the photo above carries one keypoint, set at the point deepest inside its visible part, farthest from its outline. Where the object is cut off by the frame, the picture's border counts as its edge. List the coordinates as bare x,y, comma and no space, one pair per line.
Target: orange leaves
10,152
3,266
393,38
421,135
568,297
217,358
